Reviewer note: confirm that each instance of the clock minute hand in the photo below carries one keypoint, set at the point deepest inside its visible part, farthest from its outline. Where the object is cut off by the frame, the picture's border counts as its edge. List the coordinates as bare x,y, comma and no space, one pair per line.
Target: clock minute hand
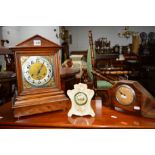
40,68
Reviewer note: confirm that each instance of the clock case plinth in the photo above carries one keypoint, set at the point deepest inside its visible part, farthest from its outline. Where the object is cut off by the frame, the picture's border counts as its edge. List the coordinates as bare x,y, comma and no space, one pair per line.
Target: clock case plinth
29,101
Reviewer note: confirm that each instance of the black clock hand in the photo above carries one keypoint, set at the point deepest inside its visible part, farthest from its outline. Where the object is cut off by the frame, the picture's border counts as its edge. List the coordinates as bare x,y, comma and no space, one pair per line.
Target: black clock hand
122,94
40,68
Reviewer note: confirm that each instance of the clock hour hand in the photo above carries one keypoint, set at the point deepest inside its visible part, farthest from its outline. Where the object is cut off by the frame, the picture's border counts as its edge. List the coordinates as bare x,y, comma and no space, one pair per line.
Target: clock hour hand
122,94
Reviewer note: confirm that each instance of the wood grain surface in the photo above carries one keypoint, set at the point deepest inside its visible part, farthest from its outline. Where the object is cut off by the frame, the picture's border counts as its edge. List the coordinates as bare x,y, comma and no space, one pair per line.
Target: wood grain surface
104,118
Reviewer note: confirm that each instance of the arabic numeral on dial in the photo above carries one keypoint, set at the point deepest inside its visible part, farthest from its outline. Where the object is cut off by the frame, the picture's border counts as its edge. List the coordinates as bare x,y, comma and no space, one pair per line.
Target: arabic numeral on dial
45,80
48,66
29,77
50,70
28,66
32,62
27,72
39,82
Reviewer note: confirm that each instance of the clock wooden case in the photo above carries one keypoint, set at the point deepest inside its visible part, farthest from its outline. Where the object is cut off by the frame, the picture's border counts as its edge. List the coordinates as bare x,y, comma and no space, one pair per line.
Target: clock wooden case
38,77
131,96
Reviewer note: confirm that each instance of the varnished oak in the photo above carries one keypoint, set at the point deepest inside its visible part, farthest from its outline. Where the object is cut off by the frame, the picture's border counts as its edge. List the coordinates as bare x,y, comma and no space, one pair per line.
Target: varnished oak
34,100
104,118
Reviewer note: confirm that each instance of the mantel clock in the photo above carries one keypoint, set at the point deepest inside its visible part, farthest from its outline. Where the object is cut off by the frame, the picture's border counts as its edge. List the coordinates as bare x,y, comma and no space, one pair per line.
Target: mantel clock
80,98
131,96
38,77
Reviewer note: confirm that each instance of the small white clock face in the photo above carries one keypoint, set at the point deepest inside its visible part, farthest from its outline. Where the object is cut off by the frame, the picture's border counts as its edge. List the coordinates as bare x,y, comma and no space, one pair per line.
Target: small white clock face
125,95
80,98
37,70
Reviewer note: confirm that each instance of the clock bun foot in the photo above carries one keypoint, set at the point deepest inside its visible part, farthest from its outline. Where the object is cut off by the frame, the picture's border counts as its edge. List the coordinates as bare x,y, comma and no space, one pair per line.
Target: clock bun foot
70,114
92,114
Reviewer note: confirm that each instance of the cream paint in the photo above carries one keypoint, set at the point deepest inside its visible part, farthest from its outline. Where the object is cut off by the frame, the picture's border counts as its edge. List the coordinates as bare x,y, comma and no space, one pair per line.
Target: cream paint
85,97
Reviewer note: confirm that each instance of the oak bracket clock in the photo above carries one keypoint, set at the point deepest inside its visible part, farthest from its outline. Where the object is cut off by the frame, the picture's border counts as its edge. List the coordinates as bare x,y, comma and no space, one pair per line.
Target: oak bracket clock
38,77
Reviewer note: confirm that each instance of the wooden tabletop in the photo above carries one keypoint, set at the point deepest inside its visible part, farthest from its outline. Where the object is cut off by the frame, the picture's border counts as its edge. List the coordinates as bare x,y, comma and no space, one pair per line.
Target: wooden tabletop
105,118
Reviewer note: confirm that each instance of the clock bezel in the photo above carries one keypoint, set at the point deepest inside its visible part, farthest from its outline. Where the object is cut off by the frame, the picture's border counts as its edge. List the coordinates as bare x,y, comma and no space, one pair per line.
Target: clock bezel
76,99
38,52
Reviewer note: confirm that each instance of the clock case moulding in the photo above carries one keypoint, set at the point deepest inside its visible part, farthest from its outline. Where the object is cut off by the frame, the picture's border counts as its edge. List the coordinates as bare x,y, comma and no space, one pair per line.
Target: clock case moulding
38,100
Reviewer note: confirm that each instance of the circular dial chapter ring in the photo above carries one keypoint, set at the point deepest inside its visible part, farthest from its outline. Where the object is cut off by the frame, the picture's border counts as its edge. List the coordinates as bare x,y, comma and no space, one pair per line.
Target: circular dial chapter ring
125,95
80,98
37,70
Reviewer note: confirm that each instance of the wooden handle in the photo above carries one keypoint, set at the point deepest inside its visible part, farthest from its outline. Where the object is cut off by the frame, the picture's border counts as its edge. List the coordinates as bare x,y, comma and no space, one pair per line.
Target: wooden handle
90,37
116,72
103,77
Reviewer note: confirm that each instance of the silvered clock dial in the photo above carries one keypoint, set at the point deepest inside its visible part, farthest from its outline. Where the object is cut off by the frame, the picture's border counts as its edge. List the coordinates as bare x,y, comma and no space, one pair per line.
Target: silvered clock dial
125,95
37,71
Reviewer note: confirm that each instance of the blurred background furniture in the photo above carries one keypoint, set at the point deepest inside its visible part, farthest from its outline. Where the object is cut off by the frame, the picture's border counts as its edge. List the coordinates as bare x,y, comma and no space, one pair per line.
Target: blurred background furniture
79,59
8,56
147,61
82,52
7,74
7,86
64,35
137,62
78,63
68,78
104,70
